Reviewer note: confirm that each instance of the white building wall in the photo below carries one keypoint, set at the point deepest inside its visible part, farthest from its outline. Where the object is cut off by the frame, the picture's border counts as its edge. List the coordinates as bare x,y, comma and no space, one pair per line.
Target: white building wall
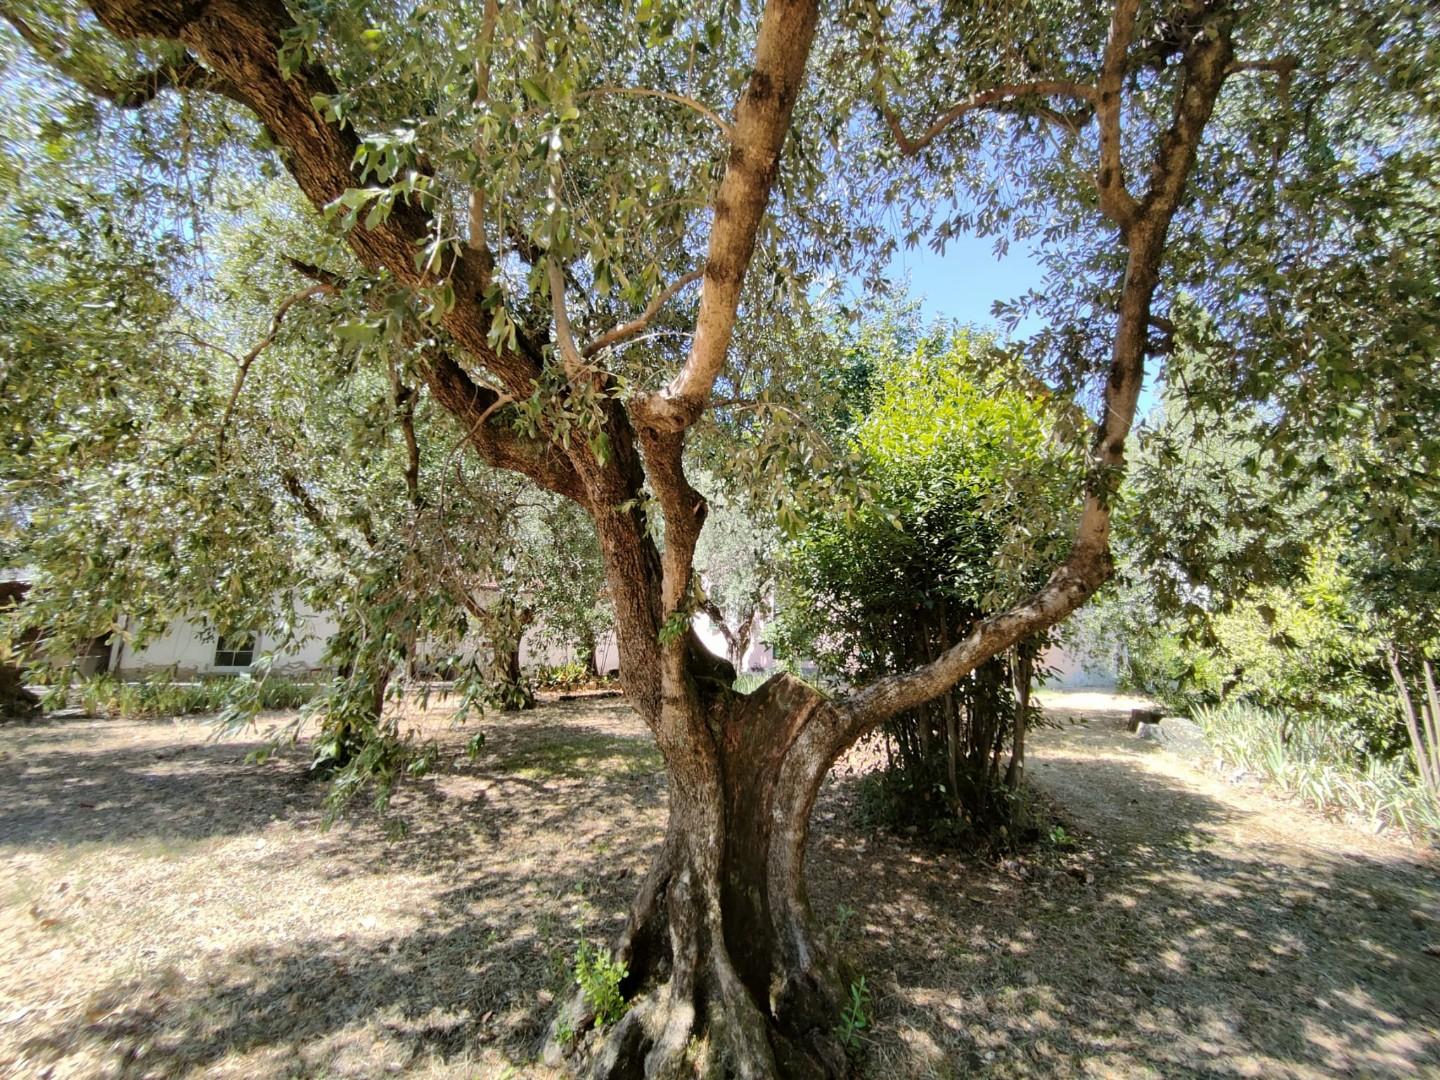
188,649
1072,672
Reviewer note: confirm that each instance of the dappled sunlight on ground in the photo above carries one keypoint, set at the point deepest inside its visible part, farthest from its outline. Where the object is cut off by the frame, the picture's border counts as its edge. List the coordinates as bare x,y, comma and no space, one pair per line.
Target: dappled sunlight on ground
167,909
1199,930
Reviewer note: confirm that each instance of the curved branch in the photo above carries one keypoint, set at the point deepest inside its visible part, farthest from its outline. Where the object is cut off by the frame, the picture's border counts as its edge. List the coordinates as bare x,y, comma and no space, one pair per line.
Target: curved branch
983,99
474,405
1284,66
634,326
242,43
261,346
1089,563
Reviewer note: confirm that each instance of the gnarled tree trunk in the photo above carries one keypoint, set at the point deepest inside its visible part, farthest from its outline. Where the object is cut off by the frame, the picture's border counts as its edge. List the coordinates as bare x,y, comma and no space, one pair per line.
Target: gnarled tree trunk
725,962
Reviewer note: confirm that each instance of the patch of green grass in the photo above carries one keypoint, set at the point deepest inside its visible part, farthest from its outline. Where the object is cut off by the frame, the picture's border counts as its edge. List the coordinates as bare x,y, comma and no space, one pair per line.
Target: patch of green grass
749,681
1309,758
581,757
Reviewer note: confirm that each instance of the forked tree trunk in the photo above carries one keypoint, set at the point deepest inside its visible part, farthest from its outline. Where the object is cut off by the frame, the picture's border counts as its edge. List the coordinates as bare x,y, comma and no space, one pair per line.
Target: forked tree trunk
751,983
727,973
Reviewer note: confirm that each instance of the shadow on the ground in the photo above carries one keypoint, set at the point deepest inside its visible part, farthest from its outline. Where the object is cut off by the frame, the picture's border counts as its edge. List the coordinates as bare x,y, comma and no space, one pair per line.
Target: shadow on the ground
195,788
1155,951
456,986
495,943
1161,953
185,789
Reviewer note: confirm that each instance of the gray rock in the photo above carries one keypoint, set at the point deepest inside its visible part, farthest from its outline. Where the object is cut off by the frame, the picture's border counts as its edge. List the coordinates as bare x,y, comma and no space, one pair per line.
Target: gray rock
1140,717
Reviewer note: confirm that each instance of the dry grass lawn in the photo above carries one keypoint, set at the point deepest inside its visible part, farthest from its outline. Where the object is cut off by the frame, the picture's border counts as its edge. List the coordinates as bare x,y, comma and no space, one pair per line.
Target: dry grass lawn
168,910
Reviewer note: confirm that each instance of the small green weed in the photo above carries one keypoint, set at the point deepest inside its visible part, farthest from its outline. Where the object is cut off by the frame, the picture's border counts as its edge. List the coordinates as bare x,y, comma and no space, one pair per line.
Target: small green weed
853,1018
598,977
1061,839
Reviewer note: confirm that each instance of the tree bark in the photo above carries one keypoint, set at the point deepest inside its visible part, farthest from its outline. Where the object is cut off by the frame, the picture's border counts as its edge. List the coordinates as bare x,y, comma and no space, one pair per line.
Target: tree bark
1024,674
16,702
722,945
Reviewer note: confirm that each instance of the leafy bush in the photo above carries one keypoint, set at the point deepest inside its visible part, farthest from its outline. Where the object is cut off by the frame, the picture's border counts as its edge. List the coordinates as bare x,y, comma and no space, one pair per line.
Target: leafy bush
1319,763
967,485
599,978
107,696
562,676
1305,650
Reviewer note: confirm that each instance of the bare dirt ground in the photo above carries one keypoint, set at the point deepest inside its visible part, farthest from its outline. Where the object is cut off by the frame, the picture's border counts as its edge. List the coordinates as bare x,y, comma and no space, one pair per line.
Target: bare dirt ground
168,910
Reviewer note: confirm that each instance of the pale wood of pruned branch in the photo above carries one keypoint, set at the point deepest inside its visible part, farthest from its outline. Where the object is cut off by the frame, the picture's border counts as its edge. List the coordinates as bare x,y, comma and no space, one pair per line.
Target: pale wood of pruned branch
1116,202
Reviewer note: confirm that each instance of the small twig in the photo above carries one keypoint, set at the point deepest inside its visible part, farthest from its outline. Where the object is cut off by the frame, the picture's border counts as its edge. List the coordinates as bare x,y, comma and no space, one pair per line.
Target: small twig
634,326
680,99
983,99
476,239
260,346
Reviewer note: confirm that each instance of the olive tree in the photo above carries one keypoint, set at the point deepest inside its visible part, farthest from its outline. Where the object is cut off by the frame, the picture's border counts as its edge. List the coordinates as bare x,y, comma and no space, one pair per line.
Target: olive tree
580,204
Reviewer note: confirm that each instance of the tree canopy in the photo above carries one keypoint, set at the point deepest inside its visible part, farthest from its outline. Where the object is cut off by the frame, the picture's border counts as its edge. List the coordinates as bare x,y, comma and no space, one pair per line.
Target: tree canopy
585,244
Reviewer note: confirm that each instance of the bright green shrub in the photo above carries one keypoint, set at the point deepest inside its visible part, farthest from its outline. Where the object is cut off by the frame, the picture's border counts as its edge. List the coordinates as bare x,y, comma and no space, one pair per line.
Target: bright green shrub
599,977
968,490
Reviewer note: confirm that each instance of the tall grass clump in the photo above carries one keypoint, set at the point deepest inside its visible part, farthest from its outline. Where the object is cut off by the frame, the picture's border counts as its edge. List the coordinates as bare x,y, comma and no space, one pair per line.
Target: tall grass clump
1320,764
153,699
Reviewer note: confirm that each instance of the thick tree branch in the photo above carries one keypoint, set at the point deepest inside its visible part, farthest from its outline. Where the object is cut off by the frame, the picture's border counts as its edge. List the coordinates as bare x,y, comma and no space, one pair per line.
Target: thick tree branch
1206,63
240,42
1116,202
982,99
762,120
474,406
129,91
628,330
